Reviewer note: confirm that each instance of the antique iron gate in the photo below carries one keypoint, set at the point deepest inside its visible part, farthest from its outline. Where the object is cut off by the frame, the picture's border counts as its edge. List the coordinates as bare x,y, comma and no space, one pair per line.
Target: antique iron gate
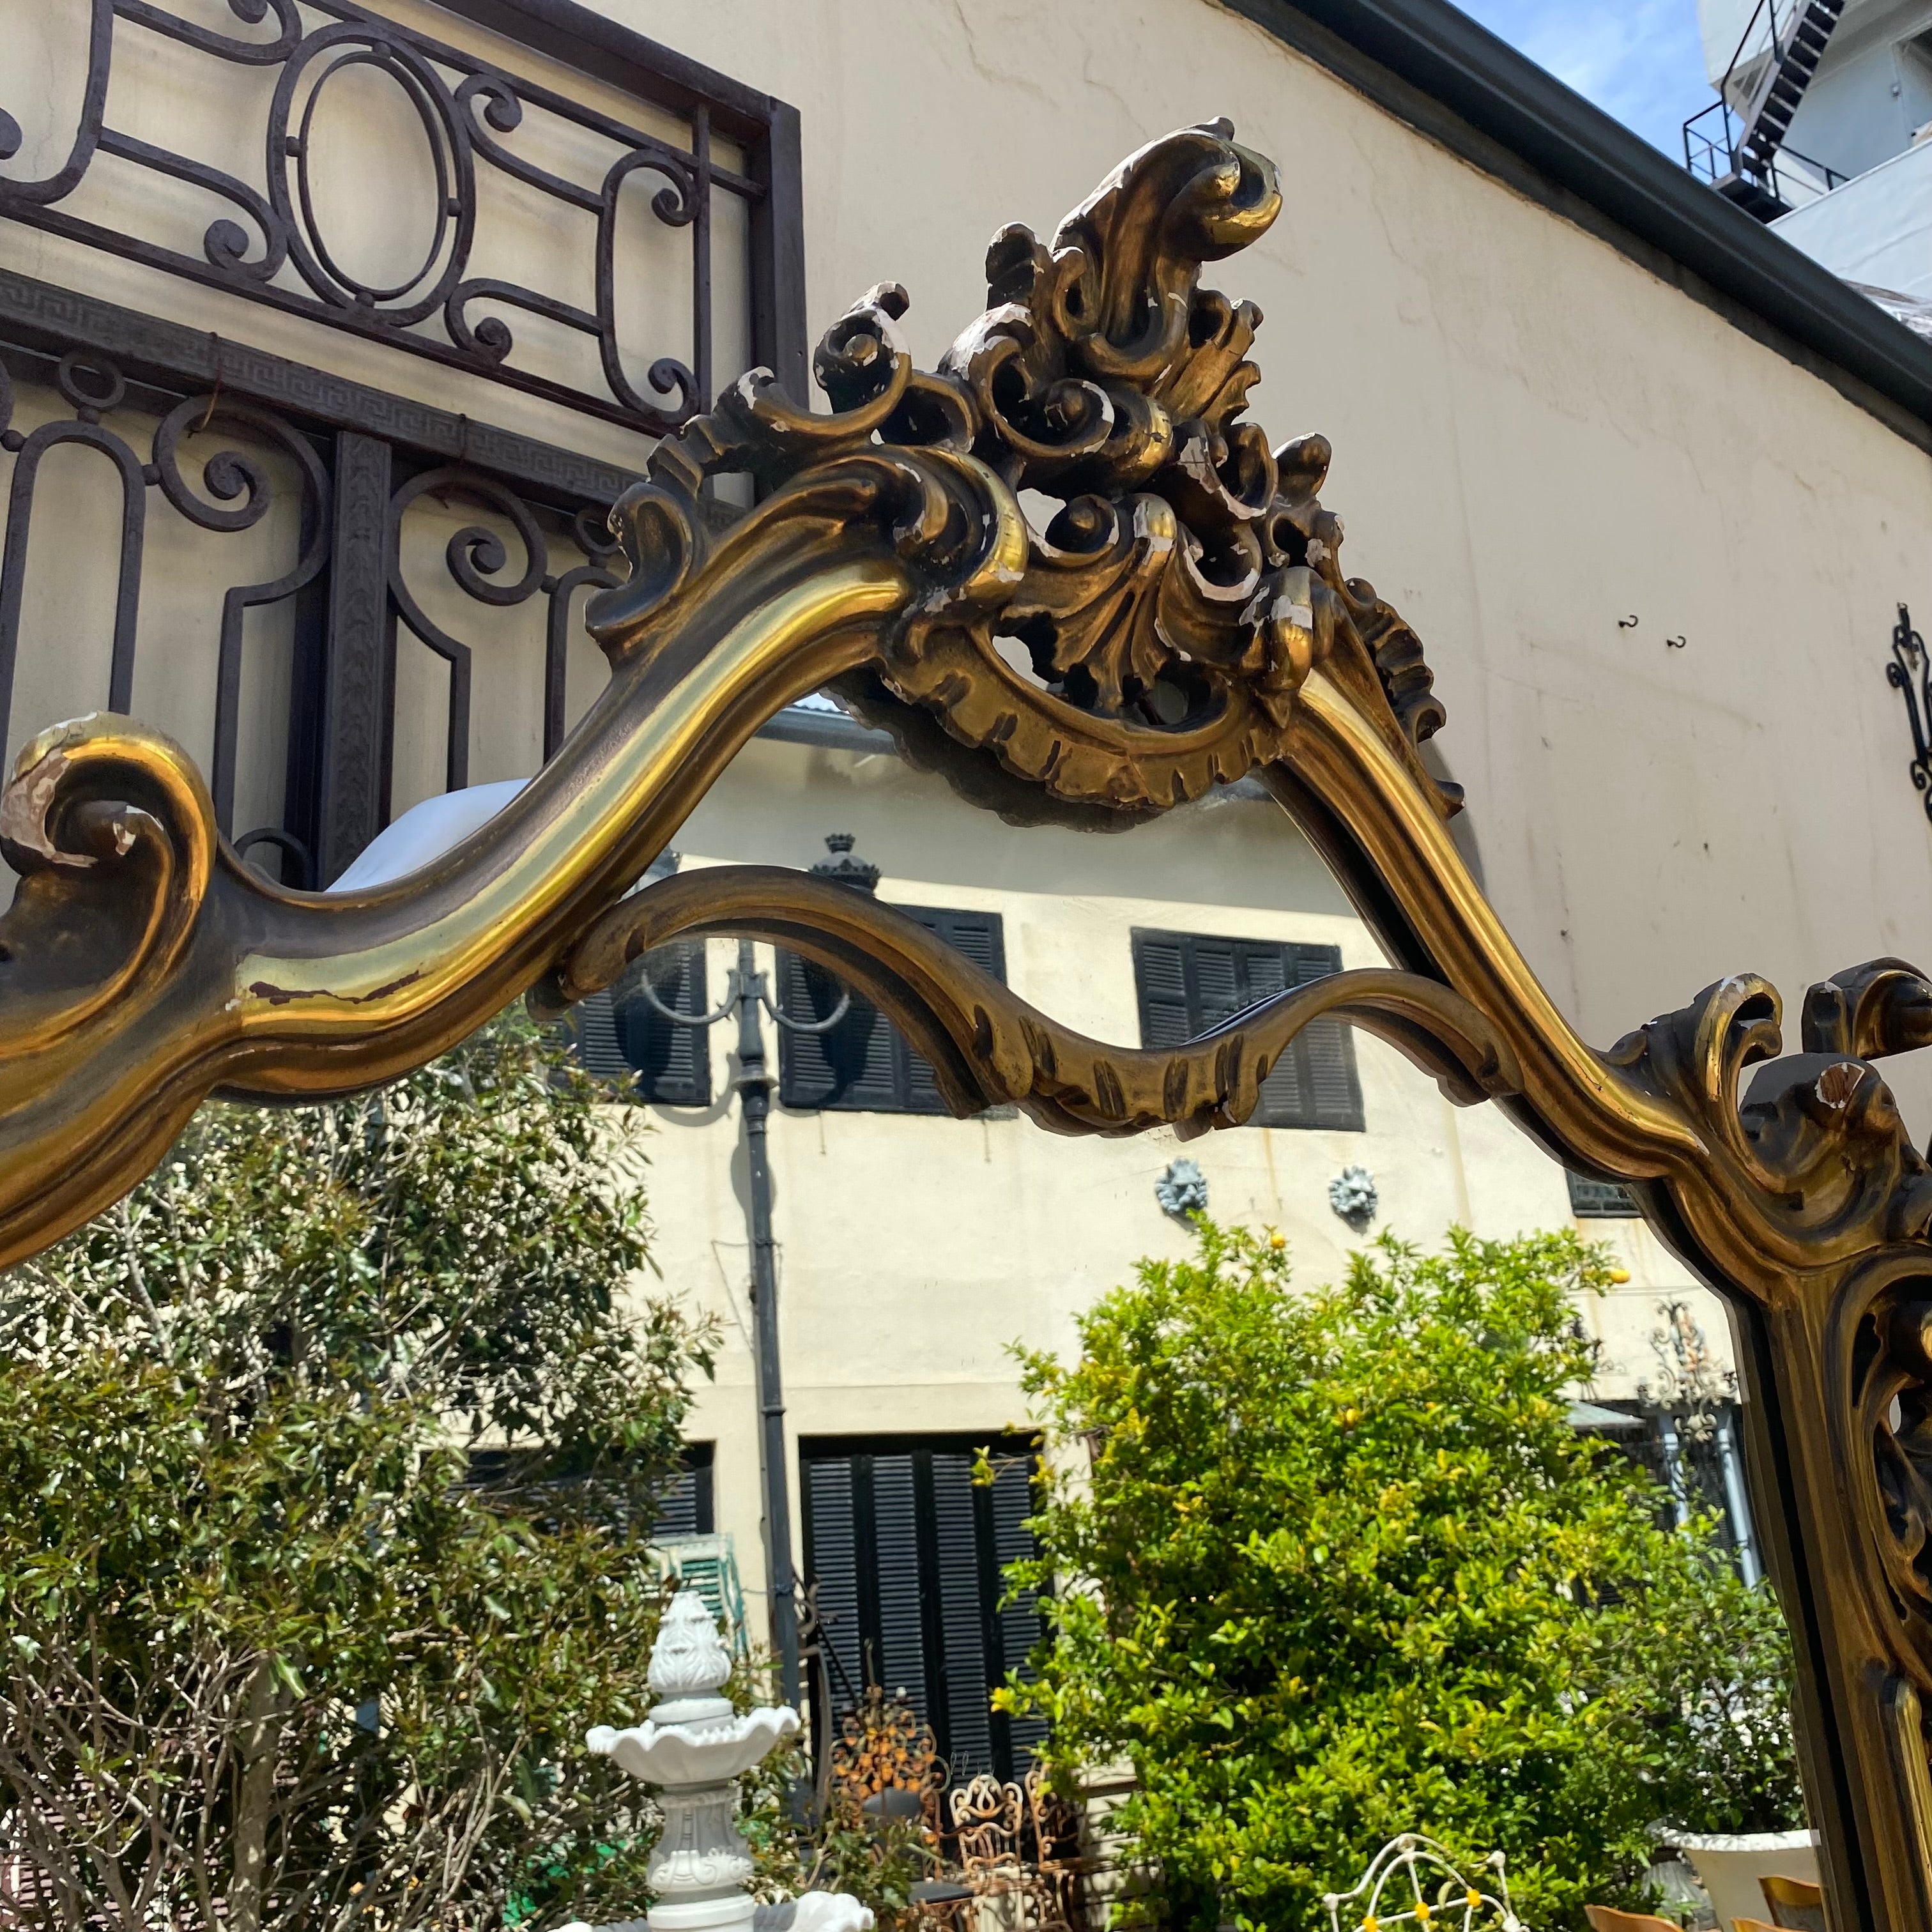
1187,621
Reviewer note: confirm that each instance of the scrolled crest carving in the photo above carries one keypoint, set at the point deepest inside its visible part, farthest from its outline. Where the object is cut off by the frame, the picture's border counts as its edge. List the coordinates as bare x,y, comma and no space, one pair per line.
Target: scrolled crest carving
1147,639
1816,1145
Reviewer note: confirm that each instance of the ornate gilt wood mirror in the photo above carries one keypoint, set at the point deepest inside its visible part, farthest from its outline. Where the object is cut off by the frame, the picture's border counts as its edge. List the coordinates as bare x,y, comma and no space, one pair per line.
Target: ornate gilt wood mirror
1184,621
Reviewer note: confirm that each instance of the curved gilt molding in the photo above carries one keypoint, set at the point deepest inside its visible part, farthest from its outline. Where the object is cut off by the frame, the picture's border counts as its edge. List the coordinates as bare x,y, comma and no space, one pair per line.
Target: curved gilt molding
989,1046
1149,643
1178,618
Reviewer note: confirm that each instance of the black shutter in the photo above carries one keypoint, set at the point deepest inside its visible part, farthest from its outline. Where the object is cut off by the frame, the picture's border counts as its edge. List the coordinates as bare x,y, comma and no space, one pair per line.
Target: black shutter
1217,983
900,1664
980,936
966,1743
905,1555
1188,983
684,1504
832,1572
1020,1621
864,1064
1314,1083
620,1035
851,1067
1329,1045
1160,978
596,1031
673,1062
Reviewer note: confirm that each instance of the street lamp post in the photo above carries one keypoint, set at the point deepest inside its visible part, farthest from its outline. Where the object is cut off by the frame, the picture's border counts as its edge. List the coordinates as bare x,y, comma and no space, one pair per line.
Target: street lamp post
747,996
754,1107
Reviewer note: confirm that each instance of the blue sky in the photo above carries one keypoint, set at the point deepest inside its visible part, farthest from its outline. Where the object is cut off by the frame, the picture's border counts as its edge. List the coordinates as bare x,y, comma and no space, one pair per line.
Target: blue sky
1640,60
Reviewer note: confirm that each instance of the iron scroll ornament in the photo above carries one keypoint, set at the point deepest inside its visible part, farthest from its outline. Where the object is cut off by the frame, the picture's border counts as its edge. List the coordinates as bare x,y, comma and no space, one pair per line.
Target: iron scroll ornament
1183,620
478,127
1910,672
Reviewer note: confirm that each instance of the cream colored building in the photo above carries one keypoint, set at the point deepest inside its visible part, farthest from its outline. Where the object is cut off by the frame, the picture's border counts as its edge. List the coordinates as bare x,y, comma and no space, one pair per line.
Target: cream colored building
917,1251
1650,484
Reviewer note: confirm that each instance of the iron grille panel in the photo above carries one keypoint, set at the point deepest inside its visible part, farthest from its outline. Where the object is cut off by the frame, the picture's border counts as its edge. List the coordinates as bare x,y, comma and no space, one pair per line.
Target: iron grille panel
495,139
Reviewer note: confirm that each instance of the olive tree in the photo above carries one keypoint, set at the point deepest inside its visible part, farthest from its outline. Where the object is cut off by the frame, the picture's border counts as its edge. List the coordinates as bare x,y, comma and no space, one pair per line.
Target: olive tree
279,1650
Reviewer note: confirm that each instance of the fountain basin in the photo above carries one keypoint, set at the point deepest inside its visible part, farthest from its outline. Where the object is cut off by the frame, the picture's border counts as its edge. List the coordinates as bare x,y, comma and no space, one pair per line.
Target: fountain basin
694,1753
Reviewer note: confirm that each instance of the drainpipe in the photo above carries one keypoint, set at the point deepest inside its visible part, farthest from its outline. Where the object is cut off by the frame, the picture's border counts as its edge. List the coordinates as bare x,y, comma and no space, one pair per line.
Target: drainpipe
1735,1501
754,1102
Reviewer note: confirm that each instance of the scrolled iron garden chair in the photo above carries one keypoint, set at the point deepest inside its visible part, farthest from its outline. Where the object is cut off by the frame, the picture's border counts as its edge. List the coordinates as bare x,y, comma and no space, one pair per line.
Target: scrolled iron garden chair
1058,1866
986,1822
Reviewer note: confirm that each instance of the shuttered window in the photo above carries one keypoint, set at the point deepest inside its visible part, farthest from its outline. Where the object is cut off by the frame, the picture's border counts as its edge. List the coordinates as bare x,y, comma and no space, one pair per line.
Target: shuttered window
1601,1200
905,1556
1189,982
681,1506
864,1064
684,1503
620,1037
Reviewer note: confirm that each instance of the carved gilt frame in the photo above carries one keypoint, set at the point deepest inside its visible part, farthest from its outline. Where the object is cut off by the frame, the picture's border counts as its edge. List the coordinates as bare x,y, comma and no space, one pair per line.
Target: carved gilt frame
1186,622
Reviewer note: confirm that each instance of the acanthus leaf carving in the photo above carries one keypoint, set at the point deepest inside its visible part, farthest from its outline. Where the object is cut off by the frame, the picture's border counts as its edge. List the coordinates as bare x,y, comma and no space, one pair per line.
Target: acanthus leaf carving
1149,643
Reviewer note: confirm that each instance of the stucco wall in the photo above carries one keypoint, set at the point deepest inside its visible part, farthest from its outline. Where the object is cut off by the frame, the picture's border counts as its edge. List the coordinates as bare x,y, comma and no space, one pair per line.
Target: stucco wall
1535,438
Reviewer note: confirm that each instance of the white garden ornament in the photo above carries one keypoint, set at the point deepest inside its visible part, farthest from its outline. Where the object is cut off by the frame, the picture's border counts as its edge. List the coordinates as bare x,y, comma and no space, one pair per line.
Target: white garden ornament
692,1746
1413,1881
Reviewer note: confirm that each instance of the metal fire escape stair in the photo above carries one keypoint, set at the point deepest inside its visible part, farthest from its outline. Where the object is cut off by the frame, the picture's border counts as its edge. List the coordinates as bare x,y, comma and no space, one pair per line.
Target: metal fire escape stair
1767,116
1795,50
1735,144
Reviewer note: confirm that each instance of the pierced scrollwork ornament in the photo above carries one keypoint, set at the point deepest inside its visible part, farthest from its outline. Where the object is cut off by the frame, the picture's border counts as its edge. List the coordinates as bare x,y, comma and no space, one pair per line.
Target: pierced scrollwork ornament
1179,620
1148,643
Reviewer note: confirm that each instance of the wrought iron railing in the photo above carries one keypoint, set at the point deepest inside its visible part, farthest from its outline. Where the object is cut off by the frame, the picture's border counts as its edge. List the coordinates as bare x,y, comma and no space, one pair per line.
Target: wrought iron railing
491,134
318,558
1712,154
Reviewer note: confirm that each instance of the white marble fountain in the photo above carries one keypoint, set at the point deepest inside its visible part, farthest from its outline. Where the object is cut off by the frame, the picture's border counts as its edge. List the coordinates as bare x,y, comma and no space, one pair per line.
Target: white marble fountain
692,1747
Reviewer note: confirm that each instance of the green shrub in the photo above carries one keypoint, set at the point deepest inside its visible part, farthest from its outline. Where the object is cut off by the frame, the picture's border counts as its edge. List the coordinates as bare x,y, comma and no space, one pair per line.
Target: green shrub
1335,1565
274,1658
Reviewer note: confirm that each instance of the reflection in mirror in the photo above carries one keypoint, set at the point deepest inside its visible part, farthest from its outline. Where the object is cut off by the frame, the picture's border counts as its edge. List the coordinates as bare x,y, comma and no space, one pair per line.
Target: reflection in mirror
1360,1450
1182,1520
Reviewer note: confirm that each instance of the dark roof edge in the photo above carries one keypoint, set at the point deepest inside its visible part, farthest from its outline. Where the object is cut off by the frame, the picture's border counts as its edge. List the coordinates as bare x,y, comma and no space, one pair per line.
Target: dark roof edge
1450,80
825,731
835,731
